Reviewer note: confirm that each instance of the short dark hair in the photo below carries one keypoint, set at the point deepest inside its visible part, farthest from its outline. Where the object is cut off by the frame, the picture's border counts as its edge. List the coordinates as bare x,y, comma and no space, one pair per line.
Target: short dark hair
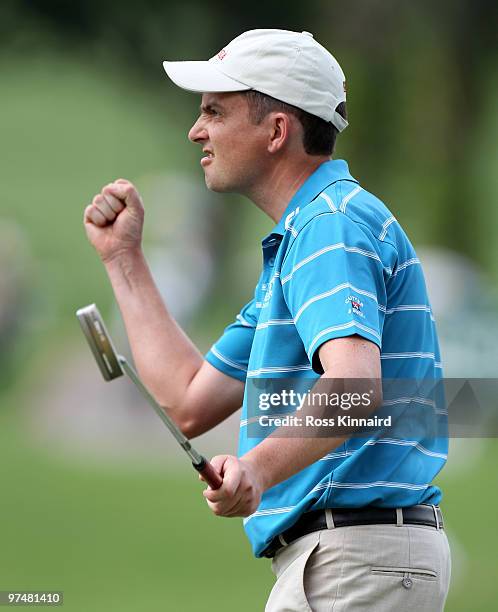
318,135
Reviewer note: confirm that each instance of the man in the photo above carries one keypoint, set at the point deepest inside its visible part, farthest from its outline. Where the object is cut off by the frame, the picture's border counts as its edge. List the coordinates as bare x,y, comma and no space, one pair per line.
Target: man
351,523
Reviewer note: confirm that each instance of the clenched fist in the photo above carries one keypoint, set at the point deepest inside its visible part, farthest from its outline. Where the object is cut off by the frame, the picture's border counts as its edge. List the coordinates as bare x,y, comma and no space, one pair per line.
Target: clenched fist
114,220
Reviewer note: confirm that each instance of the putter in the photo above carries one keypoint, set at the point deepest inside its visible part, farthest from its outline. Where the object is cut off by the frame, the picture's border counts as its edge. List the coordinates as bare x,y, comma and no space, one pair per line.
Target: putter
112,365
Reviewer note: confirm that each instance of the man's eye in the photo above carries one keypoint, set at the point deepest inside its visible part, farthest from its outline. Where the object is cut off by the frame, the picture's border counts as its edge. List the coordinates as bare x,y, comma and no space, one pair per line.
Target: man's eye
210,112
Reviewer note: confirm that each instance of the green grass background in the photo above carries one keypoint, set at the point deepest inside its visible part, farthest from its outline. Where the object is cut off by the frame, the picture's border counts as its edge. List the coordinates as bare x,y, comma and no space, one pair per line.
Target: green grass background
117,539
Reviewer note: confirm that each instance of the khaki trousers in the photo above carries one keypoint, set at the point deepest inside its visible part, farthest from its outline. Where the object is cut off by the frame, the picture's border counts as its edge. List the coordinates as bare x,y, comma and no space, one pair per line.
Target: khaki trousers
379,568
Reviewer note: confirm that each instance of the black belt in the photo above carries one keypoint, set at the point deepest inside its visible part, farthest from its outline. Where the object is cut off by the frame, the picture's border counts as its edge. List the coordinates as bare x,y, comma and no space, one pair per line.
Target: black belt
422,514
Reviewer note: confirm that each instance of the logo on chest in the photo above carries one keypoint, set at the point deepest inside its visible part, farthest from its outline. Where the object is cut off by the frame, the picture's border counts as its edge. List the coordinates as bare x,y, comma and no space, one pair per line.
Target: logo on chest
269,292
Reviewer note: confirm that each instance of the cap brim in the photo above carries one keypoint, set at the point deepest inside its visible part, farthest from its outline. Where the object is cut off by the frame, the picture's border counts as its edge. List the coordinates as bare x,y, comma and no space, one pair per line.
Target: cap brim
201,77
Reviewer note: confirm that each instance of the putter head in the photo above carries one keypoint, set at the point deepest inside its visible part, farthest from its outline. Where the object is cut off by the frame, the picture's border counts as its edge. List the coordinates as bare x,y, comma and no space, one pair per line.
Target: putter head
100,342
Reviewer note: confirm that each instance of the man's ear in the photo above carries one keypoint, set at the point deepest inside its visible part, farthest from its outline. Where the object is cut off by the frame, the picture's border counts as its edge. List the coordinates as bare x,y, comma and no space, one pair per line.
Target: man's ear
279,131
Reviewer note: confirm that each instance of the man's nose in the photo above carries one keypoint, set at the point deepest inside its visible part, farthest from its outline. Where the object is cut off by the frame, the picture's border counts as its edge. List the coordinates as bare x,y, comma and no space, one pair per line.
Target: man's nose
197,132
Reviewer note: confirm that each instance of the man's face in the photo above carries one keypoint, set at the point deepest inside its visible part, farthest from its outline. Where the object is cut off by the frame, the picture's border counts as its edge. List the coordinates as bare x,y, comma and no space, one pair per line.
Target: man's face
235,149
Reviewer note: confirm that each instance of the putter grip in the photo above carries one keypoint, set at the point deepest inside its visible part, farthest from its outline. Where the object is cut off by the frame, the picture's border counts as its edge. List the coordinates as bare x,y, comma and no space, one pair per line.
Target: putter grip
209,474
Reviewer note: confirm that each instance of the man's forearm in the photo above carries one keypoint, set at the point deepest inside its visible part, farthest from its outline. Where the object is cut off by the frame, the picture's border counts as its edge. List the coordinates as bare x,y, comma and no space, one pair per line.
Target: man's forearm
282,454
276,459
165,357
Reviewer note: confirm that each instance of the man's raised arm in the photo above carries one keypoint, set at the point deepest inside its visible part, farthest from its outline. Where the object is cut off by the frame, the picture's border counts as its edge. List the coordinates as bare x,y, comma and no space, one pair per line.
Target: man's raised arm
197,395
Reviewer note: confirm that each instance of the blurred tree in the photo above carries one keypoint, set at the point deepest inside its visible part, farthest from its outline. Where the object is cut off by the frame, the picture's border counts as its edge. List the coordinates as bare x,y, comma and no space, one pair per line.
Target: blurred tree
15,291
418,77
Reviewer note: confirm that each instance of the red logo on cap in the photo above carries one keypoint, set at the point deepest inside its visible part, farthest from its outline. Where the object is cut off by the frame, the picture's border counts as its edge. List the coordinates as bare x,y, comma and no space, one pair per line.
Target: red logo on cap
221,54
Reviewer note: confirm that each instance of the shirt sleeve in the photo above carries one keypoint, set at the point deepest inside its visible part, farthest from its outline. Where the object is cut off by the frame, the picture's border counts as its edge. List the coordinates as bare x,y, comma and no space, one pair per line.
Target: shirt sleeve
333,283
230,354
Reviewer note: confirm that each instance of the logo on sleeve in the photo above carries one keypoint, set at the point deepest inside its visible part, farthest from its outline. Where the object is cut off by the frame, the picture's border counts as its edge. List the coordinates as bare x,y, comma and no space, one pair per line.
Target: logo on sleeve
355,305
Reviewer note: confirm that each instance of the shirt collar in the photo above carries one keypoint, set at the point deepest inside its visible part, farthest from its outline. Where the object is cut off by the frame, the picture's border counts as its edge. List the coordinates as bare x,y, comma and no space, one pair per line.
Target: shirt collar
327,173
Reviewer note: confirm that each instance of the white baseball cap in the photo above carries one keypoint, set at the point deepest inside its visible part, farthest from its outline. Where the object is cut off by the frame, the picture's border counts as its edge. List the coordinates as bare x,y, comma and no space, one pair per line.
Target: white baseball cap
289,66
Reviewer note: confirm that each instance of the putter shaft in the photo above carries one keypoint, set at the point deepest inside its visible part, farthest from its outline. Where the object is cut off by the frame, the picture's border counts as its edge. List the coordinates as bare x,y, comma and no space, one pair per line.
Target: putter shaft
113,366
199,462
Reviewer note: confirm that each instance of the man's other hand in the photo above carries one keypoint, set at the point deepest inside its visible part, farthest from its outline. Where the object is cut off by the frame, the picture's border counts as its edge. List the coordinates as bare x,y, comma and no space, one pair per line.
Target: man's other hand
240,493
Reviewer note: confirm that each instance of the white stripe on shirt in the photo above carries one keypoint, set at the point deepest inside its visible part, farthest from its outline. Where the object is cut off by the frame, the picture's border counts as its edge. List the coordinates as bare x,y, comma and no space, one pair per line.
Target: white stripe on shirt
332,247
340,485
385,227
348,197
321,296
412,443
226,360
370,485
338,455
408,356
243,321
405,264
328,199
254,419
409,400
278,369
275,322
341,327
268,512
404,307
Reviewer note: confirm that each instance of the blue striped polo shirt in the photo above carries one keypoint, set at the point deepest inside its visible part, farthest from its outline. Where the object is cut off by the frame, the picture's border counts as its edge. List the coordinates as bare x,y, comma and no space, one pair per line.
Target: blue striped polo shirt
337,264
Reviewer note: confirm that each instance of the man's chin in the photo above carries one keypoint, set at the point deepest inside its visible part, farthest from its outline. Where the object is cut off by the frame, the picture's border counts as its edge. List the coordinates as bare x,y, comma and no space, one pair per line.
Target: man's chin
213,185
